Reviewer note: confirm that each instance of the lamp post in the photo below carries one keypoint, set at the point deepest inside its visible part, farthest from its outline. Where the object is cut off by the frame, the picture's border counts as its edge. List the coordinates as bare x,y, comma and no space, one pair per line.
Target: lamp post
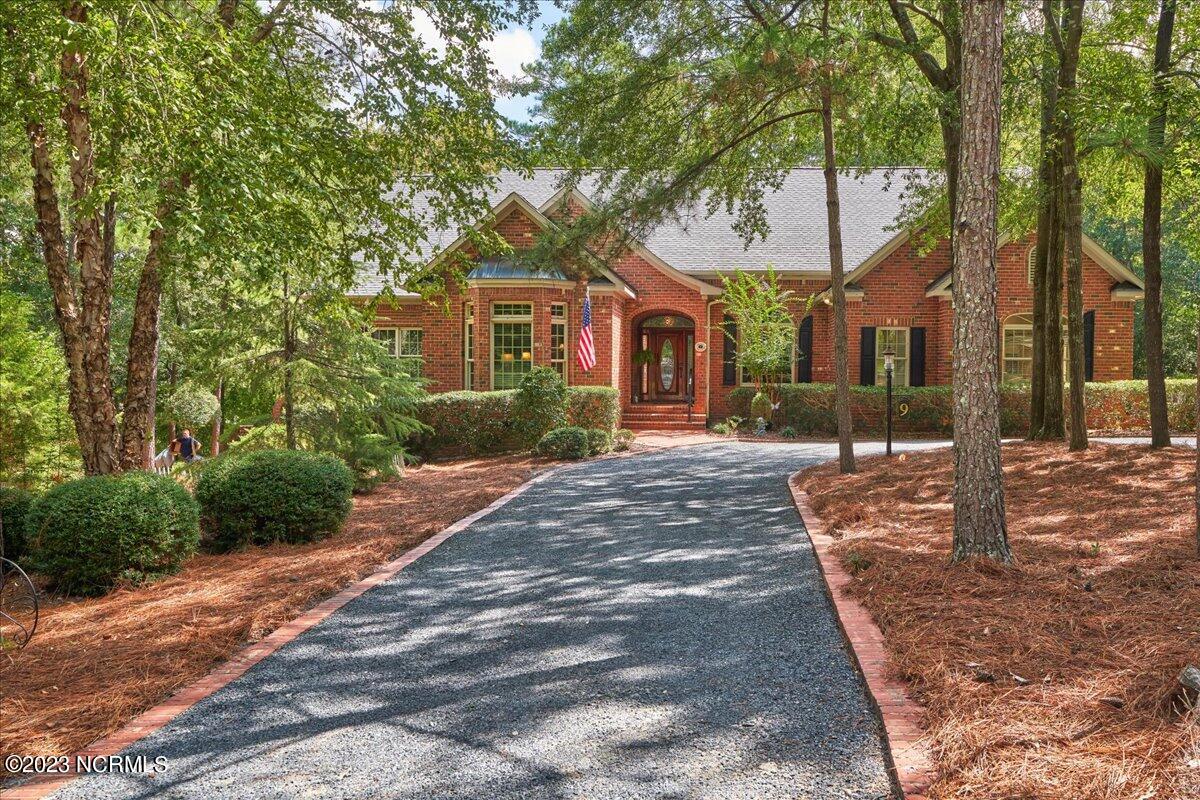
889,367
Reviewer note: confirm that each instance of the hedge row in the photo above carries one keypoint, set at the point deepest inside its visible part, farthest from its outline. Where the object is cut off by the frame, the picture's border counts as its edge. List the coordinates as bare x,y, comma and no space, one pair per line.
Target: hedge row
1116,406
487,422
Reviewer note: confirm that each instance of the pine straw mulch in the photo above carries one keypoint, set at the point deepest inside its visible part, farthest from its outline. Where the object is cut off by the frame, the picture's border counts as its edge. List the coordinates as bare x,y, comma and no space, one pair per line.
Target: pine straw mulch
95,664
1099,614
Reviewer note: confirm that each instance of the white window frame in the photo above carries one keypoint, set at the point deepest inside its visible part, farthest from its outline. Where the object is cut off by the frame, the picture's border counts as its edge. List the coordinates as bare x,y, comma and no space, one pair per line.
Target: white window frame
468,349
744,378
899,377
1018,323
560,364
397,350
391,347
509,318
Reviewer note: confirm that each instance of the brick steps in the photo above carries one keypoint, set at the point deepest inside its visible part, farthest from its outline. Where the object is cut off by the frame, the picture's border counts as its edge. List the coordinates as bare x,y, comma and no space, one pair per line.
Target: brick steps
654,417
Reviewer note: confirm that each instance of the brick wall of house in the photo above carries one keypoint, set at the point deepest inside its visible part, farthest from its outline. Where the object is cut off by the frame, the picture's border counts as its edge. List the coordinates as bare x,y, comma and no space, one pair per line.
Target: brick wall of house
894,297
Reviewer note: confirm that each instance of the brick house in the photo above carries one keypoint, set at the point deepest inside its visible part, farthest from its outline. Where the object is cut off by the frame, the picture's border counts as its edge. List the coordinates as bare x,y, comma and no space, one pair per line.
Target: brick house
663,296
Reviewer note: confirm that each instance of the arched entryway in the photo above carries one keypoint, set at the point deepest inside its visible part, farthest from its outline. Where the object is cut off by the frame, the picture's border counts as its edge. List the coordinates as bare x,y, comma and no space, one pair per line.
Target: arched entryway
664,359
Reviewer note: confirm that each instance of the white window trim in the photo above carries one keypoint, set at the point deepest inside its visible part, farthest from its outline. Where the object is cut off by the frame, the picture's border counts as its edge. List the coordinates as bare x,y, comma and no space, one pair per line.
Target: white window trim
744,379
468,352
400,331
907,376
528,318
1016,326
565,322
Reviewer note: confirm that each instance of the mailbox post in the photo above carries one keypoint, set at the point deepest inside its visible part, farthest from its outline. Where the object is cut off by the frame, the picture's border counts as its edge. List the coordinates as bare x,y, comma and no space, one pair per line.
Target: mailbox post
889,367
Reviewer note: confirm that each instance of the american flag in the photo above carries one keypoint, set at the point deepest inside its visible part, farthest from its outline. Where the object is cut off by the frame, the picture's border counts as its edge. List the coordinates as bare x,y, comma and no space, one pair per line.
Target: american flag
587,348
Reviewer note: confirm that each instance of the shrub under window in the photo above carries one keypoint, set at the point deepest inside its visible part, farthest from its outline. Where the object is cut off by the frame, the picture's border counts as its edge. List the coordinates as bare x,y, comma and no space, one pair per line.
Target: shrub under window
540,405
273,496
95,533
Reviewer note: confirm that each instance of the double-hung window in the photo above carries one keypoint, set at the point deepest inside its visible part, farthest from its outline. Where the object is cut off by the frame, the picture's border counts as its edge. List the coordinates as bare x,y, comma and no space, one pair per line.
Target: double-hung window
402,343
896,340
469,347
512,343
558,338
1017,348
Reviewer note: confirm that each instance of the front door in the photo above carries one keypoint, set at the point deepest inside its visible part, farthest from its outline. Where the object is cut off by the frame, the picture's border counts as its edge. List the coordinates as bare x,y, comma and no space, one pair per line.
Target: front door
669,379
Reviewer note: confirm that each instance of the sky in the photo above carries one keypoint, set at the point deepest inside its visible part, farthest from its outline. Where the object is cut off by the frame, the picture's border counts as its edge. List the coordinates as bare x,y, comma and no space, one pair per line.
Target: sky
516,46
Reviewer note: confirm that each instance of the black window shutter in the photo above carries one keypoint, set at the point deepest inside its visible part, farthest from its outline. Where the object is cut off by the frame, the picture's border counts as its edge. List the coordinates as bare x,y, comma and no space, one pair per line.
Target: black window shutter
916,363
729,357
1089,345
866,357
804,351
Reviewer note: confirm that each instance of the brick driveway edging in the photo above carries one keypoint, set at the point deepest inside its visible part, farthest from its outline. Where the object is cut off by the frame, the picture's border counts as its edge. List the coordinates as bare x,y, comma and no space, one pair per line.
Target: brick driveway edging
911,757
158,716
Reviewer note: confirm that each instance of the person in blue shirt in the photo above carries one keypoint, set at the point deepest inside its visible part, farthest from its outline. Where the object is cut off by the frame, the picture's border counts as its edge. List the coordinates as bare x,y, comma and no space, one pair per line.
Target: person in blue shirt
187,447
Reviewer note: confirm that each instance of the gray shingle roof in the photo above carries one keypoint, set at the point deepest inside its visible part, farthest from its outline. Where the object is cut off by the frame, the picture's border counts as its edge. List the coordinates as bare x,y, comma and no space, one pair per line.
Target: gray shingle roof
798,237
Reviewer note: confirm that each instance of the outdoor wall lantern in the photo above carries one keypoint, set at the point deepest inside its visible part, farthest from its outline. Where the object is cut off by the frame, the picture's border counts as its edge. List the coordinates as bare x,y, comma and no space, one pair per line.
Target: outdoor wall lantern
889,368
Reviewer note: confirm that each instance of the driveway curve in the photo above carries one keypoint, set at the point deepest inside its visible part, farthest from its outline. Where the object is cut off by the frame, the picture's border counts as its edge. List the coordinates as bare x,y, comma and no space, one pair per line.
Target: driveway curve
645,627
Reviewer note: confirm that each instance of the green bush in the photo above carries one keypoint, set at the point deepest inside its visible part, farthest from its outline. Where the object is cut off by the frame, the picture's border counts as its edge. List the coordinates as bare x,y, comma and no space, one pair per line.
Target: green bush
593,407
272,496
760,406
539,406
569,443
599,441
491,422
788,432
1117,406
14,509
271,436
622,439
91,534
466,422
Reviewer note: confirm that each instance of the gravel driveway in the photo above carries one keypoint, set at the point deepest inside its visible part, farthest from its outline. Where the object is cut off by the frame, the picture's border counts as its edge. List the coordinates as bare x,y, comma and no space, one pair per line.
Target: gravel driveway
653,626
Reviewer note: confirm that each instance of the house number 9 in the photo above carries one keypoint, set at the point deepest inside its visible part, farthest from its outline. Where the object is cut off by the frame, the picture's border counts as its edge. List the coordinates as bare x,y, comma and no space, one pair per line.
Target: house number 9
903,409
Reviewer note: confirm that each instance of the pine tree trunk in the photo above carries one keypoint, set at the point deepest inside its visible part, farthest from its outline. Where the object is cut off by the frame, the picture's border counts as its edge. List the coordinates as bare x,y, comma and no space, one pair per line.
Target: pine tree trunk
1160,435
1046,387
841,327
1073,223
1198,438
979,523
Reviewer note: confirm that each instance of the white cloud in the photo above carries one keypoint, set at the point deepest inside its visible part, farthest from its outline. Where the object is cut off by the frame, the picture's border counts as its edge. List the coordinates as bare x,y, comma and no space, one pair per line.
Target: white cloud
507,51
510,49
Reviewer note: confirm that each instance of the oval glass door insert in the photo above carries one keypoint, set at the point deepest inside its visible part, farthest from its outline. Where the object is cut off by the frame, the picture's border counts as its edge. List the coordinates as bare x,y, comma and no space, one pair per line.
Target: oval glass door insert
666,365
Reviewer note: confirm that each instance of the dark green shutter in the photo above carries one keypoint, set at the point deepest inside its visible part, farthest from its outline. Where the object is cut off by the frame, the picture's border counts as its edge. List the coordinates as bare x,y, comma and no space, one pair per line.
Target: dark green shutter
916,363
866,357
1089,345
804,351
729,357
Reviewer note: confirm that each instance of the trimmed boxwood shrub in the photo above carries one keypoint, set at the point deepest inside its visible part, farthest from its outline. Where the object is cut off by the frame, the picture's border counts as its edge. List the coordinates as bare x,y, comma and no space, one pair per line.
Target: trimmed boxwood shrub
91,534
1116,406
539,406
272,496
466,422
487,422
14,508
593,407
599,441
569,443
